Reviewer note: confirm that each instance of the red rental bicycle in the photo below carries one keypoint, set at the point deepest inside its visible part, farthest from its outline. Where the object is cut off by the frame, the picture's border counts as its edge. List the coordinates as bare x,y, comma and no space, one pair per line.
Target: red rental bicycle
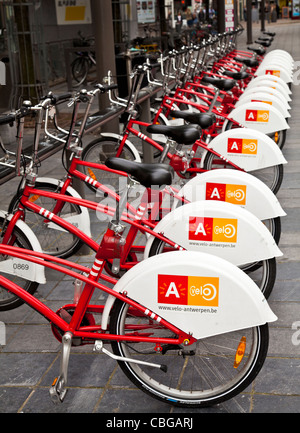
161,349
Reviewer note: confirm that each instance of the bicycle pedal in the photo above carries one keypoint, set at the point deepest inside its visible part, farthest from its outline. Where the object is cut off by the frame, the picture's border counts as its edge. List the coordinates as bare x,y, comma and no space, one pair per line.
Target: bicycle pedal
57,391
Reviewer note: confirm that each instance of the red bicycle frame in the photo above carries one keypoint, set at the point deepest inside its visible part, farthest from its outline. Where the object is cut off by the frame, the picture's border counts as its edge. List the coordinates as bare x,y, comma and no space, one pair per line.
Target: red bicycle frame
88,333
135,218
174,159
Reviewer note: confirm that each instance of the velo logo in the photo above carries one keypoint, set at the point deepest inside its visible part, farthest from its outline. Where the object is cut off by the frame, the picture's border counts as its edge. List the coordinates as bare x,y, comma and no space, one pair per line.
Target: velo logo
257,115
213,229
242,145
235,194
273,72
187,290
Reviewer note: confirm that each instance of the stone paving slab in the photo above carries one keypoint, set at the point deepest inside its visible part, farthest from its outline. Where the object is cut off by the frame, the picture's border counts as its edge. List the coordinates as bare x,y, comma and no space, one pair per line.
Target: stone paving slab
96,384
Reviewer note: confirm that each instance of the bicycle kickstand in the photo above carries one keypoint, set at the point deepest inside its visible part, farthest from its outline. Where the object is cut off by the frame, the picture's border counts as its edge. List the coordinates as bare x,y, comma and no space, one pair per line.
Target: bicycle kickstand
58,389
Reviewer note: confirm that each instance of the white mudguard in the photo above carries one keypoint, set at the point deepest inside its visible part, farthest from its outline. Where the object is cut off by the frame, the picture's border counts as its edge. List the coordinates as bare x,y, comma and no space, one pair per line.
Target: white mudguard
282,53
271,78
218,228
267,98
259,116
81,221
198,293
129,144
235,187
247,148
272,86
275,69
269,91
22,268
278,59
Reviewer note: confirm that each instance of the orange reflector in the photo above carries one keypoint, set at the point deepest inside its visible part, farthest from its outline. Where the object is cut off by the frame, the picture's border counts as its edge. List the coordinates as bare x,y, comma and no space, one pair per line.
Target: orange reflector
91,173
34,198
240,352
54,382
276,137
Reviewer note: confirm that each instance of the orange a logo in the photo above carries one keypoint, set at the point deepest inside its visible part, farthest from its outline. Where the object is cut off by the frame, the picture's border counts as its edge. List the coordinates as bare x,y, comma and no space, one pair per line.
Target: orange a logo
188,290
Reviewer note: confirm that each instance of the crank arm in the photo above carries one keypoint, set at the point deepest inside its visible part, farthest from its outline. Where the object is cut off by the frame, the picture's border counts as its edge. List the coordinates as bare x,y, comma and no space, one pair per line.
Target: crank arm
99,348
58,390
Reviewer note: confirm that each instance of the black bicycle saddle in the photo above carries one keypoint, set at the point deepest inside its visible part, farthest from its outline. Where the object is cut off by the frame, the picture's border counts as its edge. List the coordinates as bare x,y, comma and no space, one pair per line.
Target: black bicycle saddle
147,174
220,83
182,134
203,119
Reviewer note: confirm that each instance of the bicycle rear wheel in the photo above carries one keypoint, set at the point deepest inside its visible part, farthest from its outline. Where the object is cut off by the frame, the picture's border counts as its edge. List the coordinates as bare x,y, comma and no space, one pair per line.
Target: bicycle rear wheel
271,176
262,272
203,374
80,68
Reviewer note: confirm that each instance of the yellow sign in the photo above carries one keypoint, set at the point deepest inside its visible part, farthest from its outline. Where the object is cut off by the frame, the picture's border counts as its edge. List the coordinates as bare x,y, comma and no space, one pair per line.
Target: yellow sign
73,12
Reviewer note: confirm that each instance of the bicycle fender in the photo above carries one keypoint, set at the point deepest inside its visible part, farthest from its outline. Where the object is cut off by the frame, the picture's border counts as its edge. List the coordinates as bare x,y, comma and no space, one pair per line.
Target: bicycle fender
129,144
259,116
270,78
82,221
235,187
274,88
267,91
196,292
275,68
22,268
282,53
218,228
247,148
267,98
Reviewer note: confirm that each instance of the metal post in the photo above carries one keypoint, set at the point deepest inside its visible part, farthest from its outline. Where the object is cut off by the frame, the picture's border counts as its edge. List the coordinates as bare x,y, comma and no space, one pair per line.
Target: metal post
105,50
262,15
221,15
249,21
146,117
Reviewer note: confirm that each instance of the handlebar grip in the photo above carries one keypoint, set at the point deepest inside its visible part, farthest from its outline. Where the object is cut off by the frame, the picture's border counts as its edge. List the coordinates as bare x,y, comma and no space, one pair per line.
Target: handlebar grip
9,118
106,87
56,98
62,97
155,65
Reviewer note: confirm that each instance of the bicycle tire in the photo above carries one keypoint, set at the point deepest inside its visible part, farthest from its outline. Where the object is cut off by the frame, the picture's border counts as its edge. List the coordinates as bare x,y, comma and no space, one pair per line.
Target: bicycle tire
271,176
55,242
262,272
97,151
9,301
279,137
209,366
80,68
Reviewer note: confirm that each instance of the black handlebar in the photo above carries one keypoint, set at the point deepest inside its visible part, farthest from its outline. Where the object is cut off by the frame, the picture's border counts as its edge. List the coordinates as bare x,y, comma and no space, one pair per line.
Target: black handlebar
8,118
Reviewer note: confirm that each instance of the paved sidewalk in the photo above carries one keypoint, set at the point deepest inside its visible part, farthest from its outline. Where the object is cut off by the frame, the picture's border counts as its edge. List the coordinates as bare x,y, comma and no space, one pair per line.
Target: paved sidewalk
29,360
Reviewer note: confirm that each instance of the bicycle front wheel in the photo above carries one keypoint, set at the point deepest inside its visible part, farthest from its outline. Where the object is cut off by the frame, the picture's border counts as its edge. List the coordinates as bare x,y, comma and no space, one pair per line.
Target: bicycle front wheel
9,301
202,375
97,152
53,239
